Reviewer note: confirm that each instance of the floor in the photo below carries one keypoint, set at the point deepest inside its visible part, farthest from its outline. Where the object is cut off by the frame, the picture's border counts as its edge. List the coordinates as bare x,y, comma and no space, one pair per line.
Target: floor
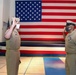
37,66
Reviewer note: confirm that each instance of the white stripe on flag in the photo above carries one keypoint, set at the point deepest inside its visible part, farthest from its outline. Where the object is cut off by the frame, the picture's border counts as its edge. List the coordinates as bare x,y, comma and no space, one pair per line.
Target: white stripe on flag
40,30
41,36
59,4
58,17
59,10
43,23
39,48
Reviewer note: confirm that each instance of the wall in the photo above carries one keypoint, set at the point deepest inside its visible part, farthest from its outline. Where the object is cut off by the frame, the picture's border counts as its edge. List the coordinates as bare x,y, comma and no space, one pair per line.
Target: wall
1,19
6,5
4,14
12,9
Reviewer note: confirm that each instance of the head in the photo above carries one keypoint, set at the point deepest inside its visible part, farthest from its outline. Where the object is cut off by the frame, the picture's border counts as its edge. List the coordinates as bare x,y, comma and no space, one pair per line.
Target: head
70,26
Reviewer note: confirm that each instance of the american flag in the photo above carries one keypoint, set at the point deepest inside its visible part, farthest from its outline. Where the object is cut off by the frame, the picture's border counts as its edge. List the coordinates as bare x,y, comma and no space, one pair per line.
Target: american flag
44,20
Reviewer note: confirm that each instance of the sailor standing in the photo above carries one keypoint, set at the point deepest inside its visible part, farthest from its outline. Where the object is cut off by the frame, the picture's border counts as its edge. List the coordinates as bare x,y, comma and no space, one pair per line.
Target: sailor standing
12,49
70,48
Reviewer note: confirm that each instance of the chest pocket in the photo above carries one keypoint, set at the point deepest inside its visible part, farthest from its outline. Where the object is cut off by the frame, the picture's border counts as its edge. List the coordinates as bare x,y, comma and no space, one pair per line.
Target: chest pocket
70,40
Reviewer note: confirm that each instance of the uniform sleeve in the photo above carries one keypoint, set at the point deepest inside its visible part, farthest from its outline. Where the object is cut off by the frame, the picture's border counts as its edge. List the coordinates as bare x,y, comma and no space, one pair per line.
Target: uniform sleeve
74,37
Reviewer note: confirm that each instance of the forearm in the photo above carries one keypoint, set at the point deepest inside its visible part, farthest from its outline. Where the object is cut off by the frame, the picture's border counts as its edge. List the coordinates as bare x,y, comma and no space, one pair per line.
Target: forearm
64,35
64,32
9,32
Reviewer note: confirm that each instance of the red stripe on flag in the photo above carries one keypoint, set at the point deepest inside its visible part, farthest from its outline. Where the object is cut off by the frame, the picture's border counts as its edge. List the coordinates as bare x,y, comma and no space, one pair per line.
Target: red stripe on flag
37,52
42,52
41,26
40,33
57,20
59,1
58,7
63,14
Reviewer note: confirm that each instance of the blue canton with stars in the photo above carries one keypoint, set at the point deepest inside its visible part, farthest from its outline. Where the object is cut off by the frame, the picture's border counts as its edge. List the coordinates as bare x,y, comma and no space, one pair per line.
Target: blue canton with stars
28,10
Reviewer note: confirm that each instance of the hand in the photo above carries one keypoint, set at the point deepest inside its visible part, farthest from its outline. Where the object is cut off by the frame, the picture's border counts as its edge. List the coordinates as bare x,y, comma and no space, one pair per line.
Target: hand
17,20
64,29
64,32
14,21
